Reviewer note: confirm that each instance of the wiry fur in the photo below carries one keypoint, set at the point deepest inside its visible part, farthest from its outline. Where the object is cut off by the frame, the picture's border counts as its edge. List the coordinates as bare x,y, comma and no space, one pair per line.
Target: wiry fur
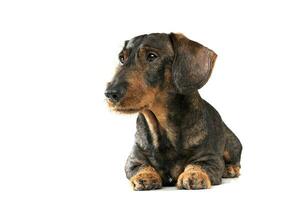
176,128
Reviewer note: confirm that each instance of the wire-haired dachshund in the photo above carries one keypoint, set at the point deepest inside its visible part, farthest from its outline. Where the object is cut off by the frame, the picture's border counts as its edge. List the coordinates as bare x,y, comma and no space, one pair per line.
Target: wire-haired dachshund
181,139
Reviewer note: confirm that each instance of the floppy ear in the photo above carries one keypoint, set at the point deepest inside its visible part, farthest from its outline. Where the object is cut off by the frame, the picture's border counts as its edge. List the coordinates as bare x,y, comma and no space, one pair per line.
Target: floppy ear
192,65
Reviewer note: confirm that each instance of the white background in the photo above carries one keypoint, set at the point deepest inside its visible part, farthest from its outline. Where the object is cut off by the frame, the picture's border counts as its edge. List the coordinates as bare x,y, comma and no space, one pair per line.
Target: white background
58,139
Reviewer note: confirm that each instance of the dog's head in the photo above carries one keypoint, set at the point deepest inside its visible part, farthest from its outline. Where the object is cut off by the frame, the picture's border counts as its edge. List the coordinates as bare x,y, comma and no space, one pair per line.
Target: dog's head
154,64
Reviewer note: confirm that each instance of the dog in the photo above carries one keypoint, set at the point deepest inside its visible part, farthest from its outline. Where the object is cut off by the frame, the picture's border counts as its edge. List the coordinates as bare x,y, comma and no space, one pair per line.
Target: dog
181,139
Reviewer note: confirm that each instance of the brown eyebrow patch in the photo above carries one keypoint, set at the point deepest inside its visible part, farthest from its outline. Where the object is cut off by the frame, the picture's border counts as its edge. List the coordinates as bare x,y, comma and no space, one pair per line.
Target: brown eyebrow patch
149,48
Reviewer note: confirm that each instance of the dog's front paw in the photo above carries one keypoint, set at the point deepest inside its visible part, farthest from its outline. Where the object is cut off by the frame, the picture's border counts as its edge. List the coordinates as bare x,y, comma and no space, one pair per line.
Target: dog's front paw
146,178
194,177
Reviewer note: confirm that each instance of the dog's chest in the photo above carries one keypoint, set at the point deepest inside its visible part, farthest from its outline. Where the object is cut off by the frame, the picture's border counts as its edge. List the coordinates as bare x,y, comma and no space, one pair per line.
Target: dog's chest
162,147
167,161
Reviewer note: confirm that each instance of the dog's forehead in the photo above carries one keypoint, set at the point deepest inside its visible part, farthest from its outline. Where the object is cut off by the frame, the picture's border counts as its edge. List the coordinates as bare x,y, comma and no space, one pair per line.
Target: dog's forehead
134,42
154,40
157,40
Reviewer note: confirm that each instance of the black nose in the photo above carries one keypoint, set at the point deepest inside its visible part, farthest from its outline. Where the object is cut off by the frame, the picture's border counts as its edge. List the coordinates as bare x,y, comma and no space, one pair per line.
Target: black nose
113,94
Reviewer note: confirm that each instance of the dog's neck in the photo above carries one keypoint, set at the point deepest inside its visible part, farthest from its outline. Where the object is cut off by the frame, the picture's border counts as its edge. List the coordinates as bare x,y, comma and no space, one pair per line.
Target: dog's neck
167,112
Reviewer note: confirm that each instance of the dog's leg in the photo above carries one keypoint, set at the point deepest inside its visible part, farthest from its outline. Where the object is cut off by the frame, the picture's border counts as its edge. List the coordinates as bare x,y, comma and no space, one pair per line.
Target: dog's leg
140,173
232,153
201,175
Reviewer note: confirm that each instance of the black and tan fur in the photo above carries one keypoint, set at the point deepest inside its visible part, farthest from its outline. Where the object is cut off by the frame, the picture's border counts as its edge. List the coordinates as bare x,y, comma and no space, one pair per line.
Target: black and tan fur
181,139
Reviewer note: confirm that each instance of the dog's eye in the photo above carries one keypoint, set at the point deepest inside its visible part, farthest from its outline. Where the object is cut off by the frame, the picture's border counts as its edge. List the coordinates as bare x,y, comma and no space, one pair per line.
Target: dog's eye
151,57
121,59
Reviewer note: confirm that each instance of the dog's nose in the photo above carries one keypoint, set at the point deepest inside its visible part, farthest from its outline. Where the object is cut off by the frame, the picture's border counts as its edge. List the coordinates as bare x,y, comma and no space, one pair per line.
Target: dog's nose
113,94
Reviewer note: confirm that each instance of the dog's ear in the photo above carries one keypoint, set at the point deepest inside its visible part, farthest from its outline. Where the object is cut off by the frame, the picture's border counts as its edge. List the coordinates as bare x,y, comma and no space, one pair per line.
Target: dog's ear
192,65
